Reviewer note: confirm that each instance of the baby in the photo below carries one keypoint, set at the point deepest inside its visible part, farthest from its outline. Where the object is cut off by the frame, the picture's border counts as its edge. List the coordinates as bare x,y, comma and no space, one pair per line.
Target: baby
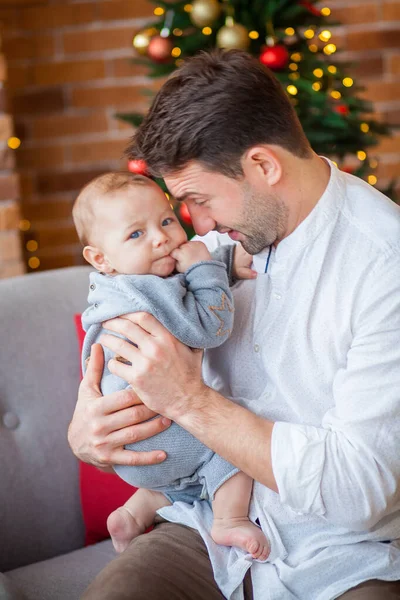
144,262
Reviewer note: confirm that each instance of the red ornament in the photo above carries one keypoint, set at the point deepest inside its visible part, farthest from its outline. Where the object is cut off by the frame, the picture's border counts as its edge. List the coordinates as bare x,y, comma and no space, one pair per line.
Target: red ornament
159,49
138,166
184,214
311,8
341,109
274,57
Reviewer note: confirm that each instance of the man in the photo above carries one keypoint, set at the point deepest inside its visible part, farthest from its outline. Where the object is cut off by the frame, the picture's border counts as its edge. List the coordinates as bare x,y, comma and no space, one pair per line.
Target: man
312,364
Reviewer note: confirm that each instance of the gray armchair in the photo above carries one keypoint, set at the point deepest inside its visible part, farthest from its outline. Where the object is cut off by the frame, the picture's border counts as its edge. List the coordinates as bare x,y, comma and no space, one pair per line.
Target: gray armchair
41,528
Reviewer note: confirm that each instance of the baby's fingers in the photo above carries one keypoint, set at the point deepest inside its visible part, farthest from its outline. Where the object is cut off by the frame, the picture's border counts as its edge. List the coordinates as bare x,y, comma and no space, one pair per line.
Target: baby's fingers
246,273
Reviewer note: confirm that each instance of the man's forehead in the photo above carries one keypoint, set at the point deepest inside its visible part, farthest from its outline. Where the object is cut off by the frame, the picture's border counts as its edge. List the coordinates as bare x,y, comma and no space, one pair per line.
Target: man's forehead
190,179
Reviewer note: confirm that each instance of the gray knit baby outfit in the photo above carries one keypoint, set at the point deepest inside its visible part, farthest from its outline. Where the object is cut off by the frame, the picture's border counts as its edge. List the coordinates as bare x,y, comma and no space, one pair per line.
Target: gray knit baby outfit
197,308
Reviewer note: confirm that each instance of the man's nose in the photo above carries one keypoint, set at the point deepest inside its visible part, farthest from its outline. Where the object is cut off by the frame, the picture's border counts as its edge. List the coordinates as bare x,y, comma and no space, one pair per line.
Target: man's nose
202,223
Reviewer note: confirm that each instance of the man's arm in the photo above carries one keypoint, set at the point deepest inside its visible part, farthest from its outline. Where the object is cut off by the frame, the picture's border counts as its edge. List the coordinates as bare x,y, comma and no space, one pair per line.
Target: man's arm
167,377
351,463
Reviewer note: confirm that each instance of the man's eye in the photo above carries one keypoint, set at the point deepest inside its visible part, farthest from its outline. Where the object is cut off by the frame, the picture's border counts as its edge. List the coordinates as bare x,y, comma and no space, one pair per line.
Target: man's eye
167,221
136,234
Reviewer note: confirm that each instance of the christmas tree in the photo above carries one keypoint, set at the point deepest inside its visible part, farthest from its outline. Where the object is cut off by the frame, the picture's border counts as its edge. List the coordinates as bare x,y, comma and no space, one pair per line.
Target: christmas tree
293,39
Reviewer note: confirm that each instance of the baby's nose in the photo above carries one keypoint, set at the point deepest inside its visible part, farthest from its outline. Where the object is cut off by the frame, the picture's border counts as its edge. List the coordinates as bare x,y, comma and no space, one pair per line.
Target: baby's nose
160,238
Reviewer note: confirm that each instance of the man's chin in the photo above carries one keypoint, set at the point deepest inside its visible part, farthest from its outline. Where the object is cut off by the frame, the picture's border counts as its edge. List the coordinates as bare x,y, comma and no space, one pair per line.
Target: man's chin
253,248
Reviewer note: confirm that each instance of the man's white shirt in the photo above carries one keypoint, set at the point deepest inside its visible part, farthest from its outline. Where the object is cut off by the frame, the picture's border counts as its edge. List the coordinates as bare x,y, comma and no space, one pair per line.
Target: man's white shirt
316,349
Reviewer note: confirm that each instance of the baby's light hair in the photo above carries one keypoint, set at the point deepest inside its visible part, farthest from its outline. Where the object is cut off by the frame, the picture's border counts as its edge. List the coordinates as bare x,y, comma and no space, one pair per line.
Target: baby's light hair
83,210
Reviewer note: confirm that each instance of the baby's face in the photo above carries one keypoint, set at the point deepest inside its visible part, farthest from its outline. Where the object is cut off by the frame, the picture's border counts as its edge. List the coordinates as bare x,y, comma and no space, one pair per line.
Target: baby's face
137,230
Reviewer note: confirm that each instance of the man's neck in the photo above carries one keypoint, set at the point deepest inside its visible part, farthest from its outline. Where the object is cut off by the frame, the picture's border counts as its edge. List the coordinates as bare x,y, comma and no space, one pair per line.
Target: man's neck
303,184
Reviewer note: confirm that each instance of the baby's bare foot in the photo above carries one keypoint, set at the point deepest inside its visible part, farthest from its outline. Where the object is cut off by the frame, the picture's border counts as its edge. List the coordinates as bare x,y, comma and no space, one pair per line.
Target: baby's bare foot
242,533
123,528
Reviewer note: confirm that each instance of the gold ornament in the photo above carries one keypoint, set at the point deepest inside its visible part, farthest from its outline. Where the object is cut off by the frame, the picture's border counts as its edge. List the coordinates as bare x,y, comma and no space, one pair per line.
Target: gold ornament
233,36
142,39
204,12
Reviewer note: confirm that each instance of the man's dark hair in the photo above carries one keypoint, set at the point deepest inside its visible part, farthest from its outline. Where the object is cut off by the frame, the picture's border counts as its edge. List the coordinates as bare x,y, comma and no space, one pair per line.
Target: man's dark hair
212,109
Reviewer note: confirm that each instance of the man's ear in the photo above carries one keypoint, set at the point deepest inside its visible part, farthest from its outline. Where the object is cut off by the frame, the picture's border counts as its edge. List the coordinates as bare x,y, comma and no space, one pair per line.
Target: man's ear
262,163
97,259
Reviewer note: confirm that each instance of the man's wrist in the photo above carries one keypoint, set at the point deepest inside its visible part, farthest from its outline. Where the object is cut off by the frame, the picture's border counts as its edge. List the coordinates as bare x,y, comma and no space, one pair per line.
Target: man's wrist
192,405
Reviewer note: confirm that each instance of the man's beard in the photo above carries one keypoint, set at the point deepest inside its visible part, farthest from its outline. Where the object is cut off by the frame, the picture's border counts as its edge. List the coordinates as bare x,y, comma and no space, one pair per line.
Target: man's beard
264,220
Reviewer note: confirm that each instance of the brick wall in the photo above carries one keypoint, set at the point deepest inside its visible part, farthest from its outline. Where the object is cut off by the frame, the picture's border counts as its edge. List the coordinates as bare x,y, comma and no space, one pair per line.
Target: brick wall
11,262
69,72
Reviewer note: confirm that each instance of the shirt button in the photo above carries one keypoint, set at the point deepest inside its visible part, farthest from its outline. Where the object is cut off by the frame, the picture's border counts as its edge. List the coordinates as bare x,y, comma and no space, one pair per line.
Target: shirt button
96,305
10,420
256,348
277,296
92,286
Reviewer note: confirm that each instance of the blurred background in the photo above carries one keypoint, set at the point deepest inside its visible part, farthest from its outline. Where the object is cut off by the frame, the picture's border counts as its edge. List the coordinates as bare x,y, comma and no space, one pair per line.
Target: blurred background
68,67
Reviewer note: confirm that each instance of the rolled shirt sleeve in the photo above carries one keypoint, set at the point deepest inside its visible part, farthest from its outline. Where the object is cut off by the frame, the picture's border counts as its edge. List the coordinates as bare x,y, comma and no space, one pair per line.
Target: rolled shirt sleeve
348,469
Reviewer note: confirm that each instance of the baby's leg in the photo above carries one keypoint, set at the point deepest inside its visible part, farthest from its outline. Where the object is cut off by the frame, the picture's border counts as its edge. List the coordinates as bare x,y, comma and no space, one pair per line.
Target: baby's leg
134,517
232,526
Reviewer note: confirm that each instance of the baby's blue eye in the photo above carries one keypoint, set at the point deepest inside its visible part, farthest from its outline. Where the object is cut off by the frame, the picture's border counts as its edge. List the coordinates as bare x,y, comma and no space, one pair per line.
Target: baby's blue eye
167,221
136,234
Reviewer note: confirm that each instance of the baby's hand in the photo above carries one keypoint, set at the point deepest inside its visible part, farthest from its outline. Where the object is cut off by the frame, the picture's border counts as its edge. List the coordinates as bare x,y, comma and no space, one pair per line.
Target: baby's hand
188,254
242,264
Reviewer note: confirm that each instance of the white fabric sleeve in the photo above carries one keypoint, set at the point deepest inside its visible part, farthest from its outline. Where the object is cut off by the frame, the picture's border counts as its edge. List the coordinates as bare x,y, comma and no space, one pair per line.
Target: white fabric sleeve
348,470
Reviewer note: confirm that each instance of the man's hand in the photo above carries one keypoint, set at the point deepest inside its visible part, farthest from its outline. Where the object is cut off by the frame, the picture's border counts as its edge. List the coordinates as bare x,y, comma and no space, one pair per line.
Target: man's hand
165,373
189,254
102,425
242,262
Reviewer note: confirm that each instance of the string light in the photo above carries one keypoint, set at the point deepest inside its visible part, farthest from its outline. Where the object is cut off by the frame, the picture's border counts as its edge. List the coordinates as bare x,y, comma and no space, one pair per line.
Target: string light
372,179
329,49
364,128
373,163
316,86
309,34
294,76
332,69
325,36
24,225
32,245
188,8
206,31
361,155
318,72
177,32
254,35
347,82
13,143
34,262
289,31
175,52
179,62
325,11
313,48
292,90
296,56
336,95
159,11
293,67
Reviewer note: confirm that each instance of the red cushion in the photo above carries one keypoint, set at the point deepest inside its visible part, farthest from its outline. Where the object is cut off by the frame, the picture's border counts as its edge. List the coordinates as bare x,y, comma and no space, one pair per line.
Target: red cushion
101,493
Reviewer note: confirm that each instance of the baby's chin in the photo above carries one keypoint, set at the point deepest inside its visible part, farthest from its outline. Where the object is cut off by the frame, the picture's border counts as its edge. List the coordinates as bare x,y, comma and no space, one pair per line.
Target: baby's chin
164,267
